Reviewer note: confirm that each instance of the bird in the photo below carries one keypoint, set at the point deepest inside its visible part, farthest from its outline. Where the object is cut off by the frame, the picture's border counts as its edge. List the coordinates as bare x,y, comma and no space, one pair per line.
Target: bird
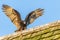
15,17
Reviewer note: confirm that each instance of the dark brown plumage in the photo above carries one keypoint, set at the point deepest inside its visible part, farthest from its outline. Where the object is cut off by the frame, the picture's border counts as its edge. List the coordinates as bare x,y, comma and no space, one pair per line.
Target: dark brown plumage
16,18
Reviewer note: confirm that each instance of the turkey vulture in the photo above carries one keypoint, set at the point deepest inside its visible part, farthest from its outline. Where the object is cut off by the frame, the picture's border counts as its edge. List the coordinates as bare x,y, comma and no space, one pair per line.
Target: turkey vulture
15,17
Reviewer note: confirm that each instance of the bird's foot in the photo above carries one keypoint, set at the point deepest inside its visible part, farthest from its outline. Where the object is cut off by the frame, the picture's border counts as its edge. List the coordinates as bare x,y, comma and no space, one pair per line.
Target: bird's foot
17,31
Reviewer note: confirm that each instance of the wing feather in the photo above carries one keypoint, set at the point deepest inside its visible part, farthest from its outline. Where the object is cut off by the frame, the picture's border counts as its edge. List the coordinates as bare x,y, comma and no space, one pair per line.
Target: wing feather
33,15
12,14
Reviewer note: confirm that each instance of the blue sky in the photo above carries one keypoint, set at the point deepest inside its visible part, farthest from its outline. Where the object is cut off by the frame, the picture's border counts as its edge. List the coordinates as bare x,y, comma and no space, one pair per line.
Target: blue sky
51,13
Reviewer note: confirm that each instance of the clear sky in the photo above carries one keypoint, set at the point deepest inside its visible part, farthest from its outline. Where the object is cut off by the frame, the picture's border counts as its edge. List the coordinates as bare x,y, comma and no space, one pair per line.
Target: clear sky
51,13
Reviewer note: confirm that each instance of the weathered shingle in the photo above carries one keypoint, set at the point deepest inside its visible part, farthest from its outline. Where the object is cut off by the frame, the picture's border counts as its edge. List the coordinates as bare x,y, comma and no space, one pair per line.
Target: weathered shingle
50,31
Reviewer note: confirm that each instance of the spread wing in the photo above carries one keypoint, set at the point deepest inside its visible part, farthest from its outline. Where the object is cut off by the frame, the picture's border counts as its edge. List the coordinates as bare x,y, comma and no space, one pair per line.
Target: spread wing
12,14
33,15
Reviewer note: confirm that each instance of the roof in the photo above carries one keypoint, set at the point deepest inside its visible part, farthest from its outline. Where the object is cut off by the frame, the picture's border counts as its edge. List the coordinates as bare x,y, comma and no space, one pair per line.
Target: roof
50,31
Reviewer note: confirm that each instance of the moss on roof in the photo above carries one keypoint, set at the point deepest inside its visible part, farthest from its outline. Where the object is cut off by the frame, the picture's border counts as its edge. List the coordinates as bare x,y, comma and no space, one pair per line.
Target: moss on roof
50,31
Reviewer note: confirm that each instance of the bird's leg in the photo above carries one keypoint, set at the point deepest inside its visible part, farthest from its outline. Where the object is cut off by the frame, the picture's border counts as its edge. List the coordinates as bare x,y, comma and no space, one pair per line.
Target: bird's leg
16,31
20,29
